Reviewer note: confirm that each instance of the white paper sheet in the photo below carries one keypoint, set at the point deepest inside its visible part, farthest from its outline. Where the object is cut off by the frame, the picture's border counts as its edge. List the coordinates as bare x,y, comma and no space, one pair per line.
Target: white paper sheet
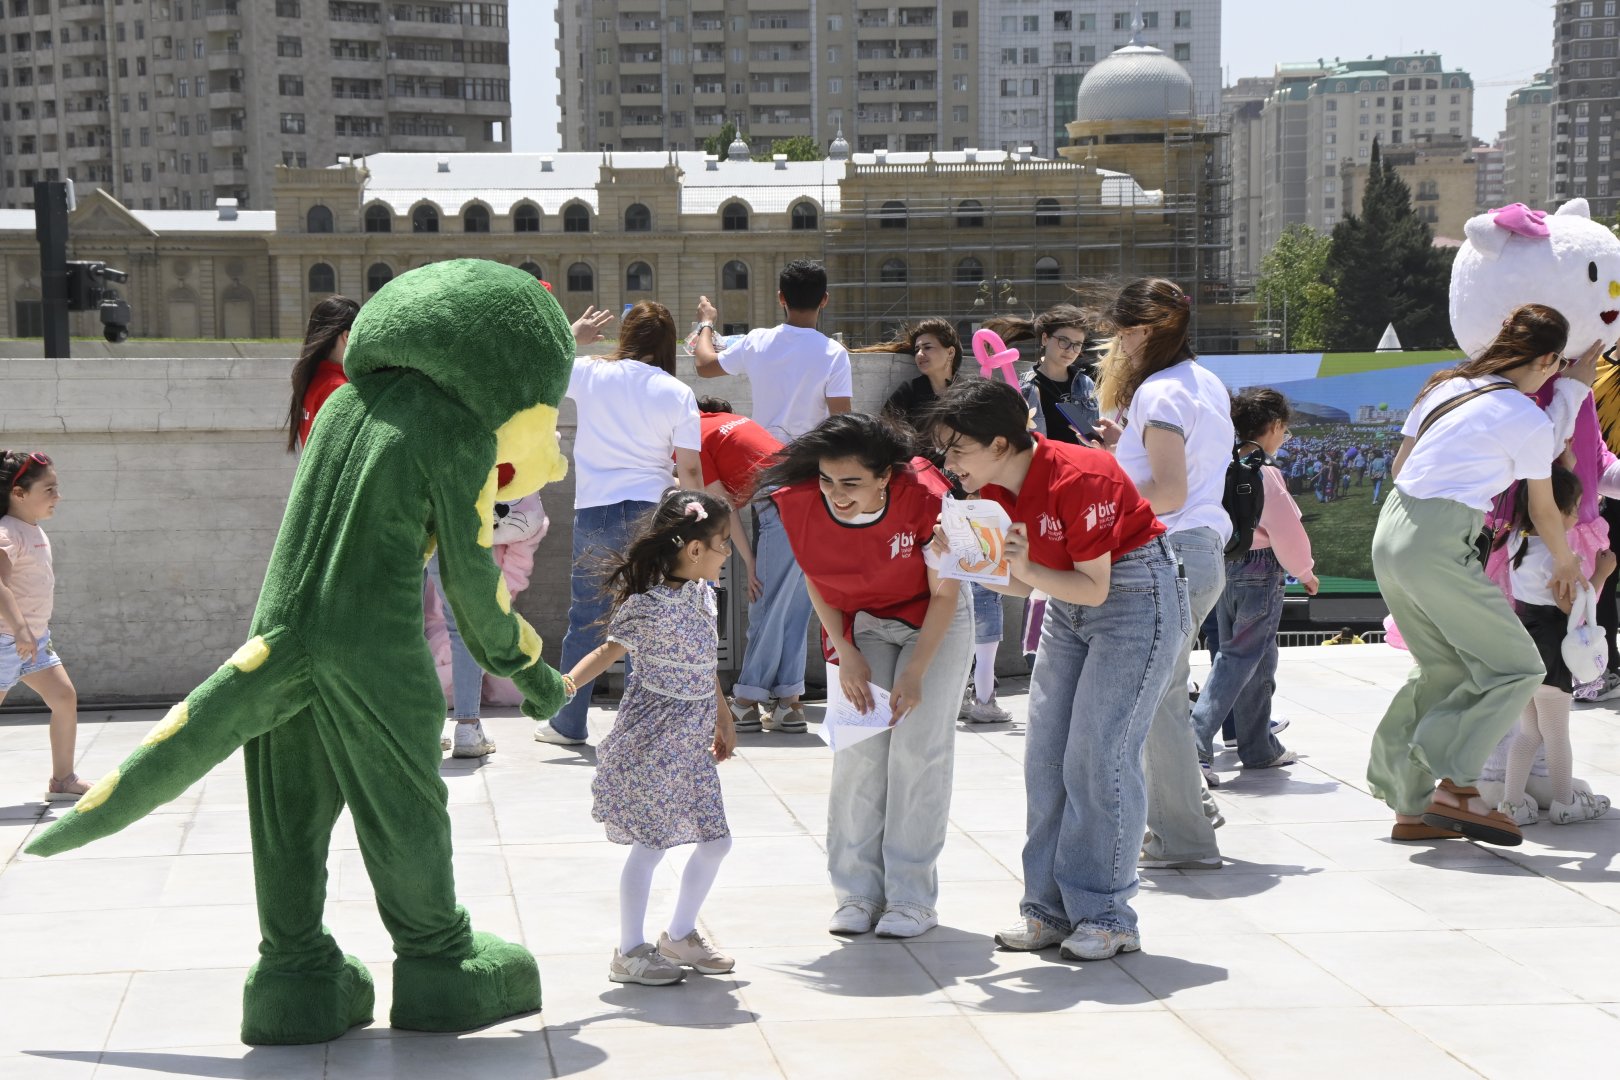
844,726
977,531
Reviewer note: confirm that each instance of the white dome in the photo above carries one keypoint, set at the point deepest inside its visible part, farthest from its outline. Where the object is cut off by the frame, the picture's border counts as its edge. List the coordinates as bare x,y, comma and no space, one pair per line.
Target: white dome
1137,82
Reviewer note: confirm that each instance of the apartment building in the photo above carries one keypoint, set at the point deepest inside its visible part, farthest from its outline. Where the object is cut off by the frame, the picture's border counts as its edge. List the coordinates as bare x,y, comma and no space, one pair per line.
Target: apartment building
1586,50
172,104
1441,172
1242,104
1491,183
1527,142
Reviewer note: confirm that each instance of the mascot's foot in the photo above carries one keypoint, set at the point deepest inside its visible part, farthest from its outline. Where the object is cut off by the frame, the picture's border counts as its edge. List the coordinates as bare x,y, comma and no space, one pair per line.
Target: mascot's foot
499,979
282,1008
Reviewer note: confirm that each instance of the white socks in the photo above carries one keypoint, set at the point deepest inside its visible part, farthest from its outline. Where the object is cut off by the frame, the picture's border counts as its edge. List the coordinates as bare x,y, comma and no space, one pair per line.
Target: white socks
1545,722
635,885
984,670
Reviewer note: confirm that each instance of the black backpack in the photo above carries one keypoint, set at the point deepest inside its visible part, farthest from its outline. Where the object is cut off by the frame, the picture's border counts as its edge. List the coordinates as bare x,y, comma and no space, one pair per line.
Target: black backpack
1244,497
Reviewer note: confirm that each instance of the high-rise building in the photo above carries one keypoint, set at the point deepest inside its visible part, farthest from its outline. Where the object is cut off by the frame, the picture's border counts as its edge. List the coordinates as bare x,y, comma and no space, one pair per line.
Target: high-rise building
1527,143
1587,42
1242,104
1491,183
171,104
635,75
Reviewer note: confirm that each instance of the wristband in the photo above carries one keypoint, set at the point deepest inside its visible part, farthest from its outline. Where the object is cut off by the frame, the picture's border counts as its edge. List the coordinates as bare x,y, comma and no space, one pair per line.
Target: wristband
702,326
569,689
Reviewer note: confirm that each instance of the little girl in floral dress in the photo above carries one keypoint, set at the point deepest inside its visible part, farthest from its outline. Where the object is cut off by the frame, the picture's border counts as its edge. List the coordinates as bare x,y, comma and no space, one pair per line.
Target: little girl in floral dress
656,786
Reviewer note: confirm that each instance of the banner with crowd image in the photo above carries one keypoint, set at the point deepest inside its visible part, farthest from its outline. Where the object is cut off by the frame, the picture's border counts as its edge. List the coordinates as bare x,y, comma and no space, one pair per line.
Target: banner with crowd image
1348,412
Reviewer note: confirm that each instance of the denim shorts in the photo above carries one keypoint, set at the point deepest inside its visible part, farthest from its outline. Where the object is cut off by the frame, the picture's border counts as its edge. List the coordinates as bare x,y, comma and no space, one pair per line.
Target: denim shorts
12,668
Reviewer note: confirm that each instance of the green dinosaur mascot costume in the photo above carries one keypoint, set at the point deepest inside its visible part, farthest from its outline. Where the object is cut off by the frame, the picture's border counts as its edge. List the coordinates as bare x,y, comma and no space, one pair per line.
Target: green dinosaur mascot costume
456,368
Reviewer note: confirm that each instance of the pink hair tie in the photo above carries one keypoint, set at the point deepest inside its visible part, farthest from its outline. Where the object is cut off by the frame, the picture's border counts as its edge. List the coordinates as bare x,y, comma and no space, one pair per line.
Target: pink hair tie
694,509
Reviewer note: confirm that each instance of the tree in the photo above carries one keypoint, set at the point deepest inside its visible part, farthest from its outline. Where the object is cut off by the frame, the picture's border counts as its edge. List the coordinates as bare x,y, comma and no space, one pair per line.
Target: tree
720,145
1294,274
799,148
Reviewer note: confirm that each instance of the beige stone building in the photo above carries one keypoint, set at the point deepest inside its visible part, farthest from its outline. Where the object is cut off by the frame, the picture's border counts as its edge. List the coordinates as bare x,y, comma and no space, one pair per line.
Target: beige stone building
170,104
1443,175
1527,143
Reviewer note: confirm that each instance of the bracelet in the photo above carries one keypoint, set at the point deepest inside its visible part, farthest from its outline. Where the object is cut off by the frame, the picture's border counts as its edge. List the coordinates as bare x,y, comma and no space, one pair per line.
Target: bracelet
702,326
569,689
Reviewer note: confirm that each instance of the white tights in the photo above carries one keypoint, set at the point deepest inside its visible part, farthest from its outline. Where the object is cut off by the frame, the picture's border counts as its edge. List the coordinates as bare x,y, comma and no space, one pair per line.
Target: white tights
635,885
1545,721
984,670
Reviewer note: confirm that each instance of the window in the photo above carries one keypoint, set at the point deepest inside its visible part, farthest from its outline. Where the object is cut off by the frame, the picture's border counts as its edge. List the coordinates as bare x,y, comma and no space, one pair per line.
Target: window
1063,53
322,278
1032,24
1122,20
734,275
959,52
30,318
424,219
959,82
1183,51
959,114
292,123
970,271
639,278
959,19
318,220
892,215
637,218
1063,21
379,275
1047,269
734,217
893,272
291,86
1032,55
526,218
803,216
1009,56
1183,20
533,268
970,214
1150,20
576,219
581,278
475,219
286,9
1046,212
379,219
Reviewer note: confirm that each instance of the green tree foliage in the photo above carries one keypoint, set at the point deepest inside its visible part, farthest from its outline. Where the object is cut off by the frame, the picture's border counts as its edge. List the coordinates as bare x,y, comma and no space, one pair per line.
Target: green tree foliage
799,148
1293,273
1383,268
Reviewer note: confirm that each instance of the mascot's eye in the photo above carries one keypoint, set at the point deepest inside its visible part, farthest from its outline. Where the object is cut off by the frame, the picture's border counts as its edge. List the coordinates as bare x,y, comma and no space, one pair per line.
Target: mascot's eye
1591,272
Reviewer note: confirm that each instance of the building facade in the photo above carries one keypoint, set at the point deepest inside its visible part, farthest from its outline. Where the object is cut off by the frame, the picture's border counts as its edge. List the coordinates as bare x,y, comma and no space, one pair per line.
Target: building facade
1442,174
172,104
1527,142
1241,105
1491,184
1587,49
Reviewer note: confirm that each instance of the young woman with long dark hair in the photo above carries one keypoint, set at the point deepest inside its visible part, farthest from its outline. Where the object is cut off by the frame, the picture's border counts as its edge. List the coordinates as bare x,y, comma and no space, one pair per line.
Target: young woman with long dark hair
319,369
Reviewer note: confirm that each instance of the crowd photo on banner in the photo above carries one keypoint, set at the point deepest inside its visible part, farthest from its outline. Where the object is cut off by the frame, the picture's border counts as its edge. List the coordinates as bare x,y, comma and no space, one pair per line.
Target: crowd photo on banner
1138,507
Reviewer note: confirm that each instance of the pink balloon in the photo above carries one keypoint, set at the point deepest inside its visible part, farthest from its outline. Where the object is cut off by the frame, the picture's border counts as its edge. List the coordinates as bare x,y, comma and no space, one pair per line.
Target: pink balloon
993,355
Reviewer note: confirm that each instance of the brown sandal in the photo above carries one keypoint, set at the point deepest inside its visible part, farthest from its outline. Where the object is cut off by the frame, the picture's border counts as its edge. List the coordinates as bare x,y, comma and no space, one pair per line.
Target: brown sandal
1494,827
1410,831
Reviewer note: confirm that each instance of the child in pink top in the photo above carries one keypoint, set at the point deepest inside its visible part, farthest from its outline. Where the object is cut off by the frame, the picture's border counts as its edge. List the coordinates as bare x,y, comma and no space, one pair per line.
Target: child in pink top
1251,604
28,495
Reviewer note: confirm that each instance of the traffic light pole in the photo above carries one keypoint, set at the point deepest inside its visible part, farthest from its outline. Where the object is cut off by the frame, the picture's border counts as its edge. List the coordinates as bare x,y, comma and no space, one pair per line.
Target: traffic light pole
51,228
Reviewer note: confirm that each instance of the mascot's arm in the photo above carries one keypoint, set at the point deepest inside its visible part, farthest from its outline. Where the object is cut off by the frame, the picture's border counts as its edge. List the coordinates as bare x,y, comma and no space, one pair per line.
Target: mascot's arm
502,641
1568,397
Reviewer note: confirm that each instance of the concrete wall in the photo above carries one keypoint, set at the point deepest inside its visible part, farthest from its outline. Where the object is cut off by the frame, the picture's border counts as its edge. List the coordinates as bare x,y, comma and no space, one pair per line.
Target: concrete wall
174,479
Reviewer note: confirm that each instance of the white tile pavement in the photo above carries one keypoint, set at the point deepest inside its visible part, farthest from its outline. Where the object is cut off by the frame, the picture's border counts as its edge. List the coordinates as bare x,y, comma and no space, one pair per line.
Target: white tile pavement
1321,949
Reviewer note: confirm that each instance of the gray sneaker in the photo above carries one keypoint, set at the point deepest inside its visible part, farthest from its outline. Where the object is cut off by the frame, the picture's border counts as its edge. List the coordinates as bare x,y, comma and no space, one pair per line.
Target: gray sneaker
786,719
644,966
986,712
1099,943
695,952
1029,934
744,718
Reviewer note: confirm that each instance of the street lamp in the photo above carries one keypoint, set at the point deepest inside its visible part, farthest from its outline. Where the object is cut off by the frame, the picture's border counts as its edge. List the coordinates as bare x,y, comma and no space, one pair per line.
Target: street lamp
995,292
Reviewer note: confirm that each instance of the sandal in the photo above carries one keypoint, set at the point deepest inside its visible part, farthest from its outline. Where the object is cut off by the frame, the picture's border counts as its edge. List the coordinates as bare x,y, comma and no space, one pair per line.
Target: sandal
1493,827
68,789
1408,832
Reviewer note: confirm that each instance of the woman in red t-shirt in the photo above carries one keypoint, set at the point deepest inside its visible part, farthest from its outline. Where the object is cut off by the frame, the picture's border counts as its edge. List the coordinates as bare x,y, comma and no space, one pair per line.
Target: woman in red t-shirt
858,509
319,370
1116,617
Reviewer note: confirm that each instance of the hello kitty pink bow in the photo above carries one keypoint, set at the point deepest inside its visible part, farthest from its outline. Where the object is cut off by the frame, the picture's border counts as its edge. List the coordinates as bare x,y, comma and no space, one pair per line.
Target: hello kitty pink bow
1520,220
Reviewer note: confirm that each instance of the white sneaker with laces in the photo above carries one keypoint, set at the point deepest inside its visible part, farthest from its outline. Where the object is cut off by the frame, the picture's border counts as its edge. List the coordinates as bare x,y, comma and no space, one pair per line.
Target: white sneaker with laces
544,732
645,966
471,741
986,712
695,952
1099,943
1029,934
901,923
850,920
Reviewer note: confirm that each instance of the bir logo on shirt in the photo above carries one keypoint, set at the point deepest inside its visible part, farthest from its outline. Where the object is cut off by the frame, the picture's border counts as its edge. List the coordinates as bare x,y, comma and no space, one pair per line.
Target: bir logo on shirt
1100,514
901,545
1051,528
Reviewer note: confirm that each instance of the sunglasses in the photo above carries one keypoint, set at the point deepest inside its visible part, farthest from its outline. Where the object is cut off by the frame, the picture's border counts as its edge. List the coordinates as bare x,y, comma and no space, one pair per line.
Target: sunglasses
33,458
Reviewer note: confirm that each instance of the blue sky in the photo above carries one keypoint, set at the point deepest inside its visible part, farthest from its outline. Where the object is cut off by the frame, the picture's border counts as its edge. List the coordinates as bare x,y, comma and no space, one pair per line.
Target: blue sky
1497,41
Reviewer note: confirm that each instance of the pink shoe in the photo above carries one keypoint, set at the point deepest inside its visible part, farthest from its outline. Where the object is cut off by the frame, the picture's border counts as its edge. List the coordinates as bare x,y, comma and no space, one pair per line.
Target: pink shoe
66,790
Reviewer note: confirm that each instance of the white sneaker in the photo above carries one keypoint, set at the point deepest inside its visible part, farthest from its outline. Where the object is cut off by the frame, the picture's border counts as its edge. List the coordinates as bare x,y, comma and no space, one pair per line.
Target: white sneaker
544,732
694,951
1279,724
1523,812
472,742
1611,687
645,967
1540,788
1210,779
1212,863
1099,943
899,923
1029,934
850,920
986,712
1585,807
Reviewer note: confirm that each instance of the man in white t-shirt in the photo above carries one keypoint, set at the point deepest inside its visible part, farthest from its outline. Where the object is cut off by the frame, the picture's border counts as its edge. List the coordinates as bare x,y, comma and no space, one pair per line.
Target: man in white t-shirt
798,376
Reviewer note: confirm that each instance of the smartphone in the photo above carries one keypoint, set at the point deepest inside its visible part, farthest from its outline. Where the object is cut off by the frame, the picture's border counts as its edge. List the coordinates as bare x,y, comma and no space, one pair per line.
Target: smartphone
1080,417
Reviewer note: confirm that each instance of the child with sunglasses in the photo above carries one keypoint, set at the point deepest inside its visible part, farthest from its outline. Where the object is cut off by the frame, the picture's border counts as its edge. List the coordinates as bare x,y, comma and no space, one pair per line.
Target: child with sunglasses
28,495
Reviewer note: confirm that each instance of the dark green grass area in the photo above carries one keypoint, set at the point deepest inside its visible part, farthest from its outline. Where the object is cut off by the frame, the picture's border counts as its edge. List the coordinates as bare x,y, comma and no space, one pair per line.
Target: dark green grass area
1341,537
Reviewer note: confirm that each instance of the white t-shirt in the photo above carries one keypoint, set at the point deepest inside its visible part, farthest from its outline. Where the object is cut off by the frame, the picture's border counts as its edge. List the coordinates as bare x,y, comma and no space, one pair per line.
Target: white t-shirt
792,371
1477,450
632,419
1531,580
33,580
1191,401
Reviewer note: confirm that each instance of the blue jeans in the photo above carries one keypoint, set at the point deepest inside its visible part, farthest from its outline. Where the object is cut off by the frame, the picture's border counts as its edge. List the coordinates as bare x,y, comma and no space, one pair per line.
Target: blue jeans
1212,638
600,532
1245,671
773,662
1101,674
987,616
465,673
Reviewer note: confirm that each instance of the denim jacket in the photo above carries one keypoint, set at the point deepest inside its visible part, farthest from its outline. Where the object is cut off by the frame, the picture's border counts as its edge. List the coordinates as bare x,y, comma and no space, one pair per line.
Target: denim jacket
1083,386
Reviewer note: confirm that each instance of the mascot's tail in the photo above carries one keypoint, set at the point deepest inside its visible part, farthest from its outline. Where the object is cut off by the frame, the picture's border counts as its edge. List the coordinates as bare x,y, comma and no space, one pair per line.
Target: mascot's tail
263,684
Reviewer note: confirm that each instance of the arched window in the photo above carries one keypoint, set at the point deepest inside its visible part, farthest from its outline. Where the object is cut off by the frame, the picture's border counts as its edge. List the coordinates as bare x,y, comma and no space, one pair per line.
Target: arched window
379,219
637,218
581,278
1456,83
322,278
734,275
576,219
804,216
1046,212
424,219
893,272
526,218
639,278
379,275
970,271
1047,269
970,214
319,219
892,215
475,219
532,268
734,217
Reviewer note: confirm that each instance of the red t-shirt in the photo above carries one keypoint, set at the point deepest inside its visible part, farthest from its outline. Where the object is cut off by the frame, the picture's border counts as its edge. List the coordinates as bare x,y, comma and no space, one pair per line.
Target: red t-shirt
328,377
878,567
1078,505
733,451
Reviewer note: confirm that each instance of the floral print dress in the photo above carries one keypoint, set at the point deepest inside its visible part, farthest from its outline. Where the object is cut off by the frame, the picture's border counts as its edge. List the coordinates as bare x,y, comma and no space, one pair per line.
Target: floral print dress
656,783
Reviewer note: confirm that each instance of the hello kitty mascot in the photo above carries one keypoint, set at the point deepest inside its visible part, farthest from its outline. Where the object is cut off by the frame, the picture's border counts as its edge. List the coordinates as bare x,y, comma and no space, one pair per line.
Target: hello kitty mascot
1514,256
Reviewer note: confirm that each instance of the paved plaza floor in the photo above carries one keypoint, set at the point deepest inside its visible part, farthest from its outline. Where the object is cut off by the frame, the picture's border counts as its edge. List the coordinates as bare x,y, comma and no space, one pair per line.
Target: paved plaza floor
1321,950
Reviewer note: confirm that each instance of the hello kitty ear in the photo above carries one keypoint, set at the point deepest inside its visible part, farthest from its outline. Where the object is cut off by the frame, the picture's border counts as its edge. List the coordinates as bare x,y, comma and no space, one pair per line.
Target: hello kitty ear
1574,208
1487,239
